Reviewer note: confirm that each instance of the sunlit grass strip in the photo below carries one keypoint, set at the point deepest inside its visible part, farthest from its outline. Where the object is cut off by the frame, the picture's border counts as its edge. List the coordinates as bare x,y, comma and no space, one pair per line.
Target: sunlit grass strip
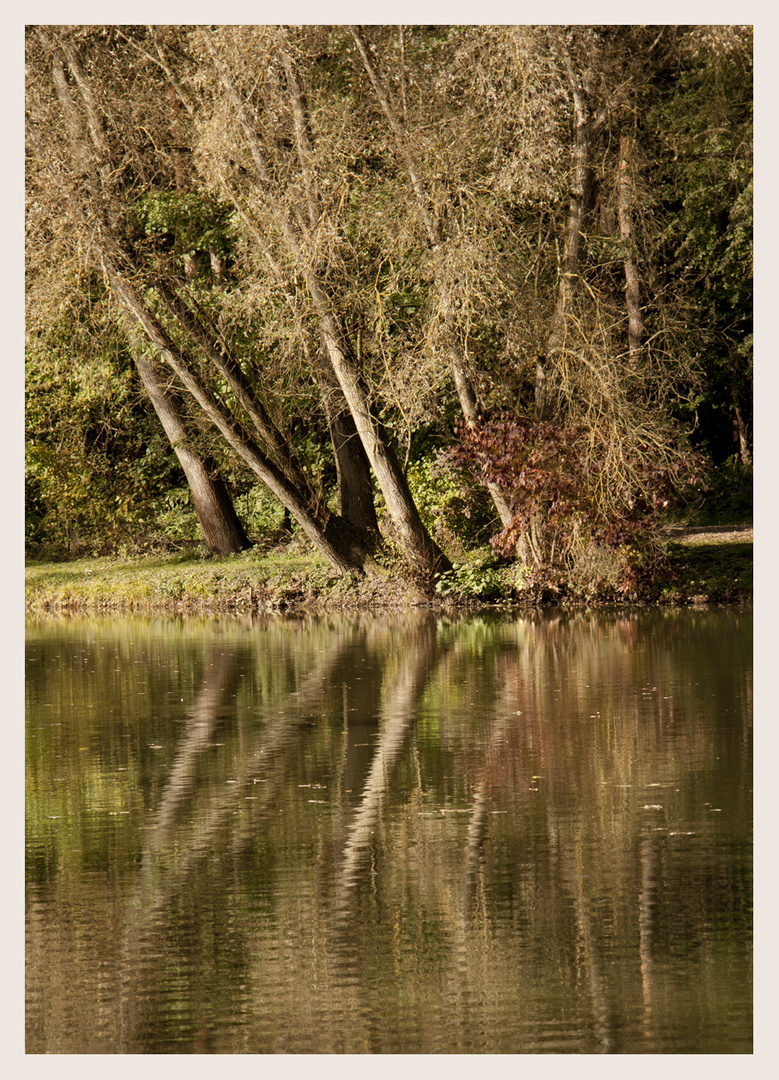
174,582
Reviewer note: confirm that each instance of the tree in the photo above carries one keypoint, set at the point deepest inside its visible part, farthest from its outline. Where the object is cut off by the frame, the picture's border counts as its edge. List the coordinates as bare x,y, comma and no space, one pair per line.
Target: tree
362,236
222,530
101,204
276,183
466,393
600,373
700,120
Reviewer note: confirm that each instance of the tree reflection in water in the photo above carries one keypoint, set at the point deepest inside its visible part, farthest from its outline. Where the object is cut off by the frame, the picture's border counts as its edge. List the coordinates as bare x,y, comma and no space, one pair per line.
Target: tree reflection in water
408,834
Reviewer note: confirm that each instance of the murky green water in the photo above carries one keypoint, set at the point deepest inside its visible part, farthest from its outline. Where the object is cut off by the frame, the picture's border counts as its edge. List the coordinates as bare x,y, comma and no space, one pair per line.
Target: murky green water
402,834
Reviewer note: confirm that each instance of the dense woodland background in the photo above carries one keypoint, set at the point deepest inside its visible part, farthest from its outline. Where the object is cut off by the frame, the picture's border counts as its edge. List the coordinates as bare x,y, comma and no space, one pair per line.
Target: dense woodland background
404,291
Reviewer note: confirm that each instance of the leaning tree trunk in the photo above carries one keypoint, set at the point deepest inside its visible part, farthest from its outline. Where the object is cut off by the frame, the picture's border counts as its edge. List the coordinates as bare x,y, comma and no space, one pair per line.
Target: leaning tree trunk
331,537
422,553
223,532
468,405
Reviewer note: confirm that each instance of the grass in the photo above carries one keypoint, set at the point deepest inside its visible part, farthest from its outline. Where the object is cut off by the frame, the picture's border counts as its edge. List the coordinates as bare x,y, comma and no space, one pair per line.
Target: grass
293,577
180,581
290,576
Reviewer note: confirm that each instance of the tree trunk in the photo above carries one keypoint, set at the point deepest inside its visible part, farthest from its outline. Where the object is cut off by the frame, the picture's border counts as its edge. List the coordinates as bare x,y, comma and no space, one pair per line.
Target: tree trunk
423,554
467,398
355,488
222,531
585,125
744,455
625,199
329,535
204,338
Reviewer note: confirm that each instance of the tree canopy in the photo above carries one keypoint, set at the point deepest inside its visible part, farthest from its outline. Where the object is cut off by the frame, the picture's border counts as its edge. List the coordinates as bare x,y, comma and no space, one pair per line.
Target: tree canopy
408,287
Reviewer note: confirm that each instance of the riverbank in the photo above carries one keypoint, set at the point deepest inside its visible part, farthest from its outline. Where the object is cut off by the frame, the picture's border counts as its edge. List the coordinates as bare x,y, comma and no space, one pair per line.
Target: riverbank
703,566
285,578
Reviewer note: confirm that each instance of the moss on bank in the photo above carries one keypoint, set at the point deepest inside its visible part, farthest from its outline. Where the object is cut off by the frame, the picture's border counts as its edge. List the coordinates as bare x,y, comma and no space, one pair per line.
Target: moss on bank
291,578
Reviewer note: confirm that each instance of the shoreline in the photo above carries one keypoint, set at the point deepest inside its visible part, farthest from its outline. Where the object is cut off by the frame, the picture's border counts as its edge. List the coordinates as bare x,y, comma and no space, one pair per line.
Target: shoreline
704,567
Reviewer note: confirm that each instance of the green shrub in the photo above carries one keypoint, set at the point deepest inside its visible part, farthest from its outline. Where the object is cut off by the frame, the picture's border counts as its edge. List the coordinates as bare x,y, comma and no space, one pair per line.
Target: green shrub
454,510
482,581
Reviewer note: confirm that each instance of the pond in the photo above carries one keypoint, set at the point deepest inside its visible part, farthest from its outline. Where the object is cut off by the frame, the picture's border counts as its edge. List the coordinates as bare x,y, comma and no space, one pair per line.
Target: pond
391,834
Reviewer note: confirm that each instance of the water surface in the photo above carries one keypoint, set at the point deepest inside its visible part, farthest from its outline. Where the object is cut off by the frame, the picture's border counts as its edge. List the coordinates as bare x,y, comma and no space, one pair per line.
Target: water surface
402,834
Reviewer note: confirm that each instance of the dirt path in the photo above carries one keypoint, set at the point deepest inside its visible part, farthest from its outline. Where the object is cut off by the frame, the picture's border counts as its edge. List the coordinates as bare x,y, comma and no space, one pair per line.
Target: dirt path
715,534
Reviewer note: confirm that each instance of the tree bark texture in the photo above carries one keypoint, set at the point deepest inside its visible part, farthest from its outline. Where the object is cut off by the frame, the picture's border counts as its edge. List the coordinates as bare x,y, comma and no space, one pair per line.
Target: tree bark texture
585,125
353,470
744,455
423,554
625,201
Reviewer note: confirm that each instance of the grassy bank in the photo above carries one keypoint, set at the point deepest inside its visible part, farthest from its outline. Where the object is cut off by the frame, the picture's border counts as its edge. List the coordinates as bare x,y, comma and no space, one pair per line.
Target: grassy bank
705,567
187,582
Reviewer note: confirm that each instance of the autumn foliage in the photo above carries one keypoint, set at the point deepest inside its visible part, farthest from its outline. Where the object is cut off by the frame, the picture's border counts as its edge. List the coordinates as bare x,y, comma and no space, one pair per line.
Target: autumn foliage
554,489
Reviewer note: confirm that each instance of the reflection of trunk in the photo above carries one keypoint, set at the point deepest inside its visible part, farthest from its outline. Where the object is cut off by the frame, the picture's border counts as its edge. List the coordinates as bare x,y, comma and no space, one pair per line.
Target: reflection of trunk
222,530
645,913
220,679
477,826
402,699
183,848
570,865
